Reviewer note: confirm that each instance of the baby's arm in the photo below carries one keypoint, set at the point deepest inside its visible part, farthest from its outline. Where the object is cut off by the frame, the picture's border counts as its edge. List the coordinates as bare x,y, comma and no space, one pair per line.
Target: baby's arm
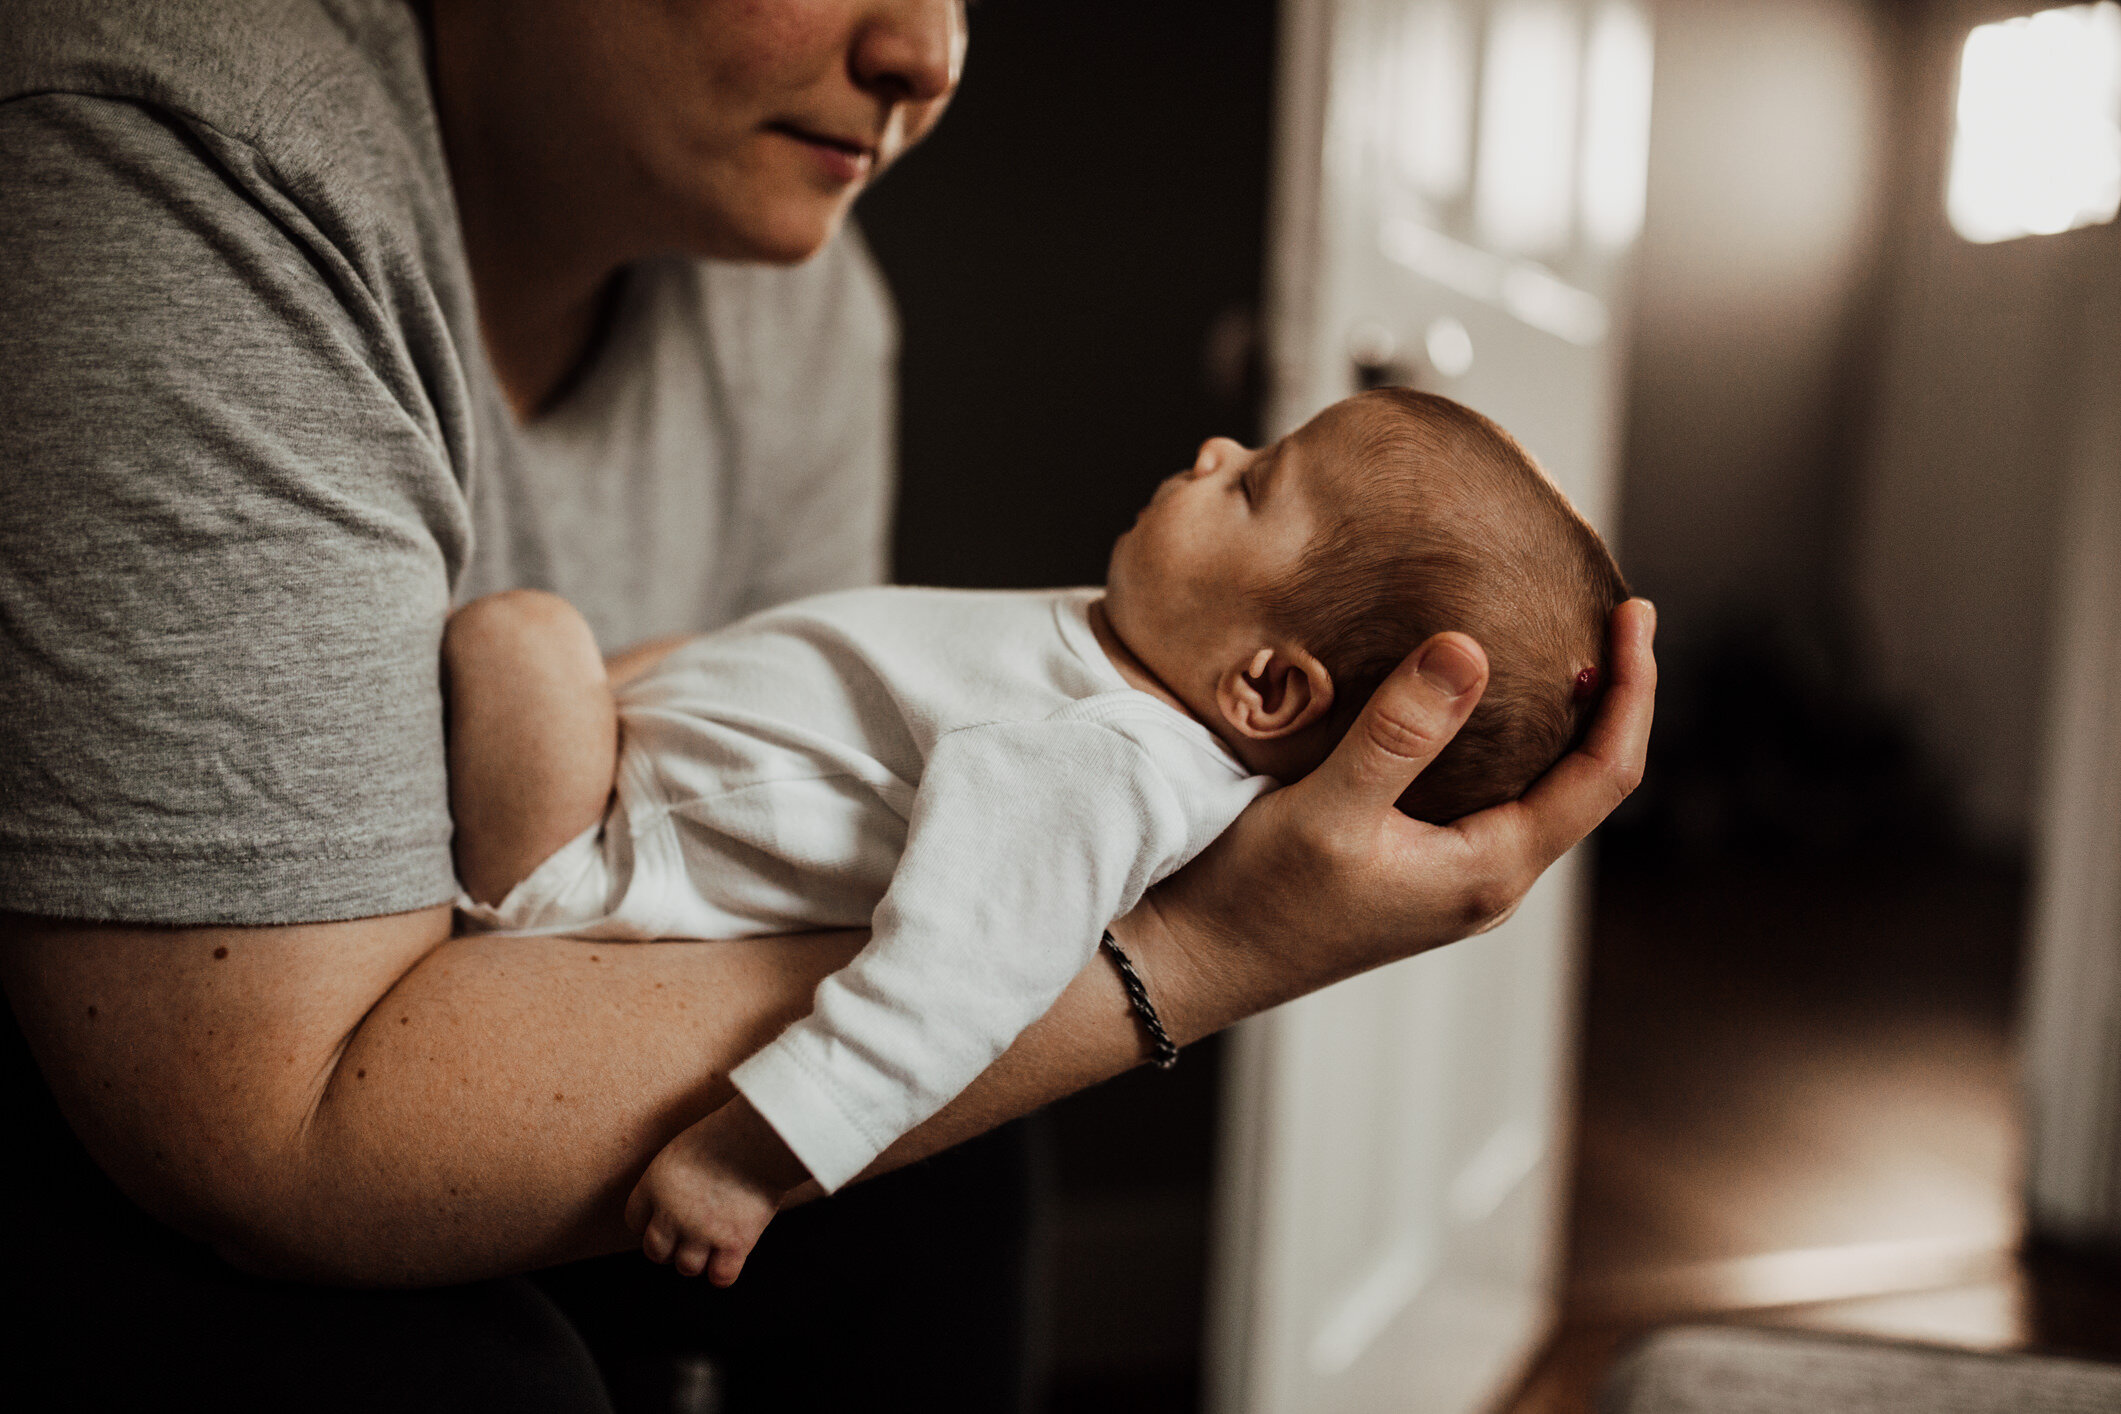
533,735
1024,839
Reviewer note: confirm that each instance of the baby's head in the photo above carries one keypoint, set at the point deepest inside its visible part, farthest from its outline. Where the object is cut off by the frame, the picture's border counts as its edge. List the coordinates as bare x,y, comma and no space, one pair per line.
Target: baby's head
1273,591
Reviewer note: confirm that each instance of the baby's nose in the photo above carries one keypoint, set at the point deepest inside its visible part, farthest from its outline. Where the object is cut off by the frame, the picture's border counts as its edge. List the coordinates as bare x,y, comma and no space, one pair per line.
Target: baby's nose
1213,454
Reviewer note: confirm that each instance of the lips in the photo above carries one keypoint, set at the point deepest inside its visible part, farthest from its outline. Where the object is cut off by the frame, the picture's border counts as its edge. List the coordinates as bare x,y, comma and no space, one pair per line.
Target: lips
845,157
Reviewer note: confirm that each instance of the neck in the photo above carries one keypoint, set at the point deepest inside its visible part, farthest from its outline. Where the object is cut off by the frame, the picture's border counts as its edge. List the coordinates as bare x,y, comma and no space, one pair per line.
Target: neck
1284,760
543,247
1132,668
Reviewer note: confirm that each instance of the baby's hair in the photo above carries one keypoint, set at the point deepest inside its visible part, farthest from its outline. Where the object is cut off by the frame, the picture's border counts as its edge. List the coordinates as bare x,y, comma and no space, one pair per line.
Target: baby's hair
1439,520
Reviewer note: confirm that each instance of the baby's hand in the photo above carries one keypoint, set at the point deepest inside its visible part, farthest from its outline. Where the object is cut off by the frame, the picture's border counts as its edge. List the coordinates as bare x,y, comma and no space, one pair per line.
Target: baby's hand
711,1192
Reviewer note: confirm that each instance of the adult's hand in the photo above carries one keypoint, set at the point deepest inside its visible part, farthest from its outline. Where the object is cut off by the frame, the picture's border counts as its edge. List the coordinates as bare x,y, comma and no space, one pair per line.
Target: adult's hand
1326,878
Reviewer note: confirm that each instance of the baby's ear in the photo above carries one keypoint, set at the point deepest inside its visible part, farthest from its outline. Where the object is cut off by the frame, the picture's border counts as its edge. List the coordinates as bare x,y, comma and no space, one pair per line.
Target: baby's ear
1276,692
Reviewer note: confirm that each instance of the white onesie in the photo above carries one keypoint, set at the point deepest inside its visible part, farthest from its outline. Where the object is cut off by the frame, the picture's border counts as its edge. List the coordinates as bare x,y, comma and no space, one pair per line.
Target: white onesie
964,773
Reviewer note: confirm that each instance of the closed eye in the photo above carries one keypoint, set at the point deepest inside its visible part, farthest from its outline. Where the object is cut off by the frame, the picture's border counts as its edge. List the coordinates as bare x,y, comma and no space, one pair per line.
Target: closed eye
1255,477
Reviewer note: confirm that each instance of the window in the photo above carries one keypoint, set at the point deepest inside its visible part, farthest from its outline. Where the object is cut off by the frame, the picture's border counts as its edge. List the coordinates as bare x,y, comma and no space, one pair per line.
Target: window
2038,144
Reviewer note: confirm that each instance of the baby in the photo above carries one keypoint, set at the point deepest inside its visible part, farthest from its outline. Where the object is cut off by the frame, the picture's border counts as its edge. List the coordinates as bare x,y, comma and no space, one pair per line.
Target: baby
985,779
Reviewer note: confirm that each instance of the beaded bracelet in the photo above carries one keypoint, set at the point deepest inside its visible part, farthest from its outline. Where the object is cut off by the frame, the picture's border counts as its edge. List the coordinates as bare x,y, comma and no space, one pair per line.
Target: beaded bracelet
1164,1050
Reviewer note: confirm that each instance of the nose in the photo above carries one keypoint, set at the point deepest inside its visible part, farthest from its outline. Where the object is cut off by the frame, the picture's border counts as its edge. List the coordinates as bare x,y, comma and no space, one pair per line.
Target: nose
911,50
1215,454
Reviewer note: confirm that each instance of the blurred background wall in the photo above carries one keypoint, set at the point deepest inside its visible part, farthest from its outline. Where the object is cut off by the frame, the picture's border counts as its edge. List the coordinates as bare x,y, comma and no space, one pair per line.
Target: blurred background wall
1958,510
1754,279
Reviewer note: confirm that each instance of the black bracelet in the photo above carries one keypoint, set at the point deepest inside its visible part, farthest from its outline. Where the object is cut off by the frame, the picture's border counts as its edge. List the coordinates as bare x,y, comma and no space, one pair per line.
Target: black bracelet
1164,1049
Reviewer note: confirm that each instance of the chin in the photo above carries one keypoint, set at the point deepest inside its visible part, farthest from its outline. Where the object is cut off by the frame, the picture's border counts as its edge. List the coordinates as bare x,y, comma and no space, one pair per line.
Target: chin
793,242
1116,573
786,232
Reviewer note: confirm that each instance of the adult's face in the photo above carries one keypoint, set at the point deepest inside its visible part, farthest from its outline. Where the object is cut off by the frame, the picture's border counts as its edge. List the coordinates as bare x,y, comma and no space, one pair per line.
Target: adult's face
742,129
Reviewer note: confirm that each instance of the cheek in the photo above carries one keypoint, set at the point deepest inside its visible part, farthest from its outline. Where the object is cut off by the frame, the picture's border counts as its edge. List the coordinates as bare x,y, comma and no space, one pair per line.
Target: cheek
1163,560
696,78
765,49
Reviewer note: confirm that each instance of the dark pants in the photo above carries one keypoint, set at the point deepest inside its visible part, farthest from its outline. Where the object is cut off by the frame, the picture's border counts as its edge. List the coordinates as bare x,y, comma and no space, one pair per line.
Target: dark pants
908,1292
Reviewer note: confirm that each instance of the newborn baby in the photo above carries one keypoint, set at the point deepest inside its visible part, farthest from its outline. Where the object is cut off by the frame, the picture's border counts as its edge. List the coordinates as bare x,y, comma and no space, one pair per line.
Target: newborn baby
985,779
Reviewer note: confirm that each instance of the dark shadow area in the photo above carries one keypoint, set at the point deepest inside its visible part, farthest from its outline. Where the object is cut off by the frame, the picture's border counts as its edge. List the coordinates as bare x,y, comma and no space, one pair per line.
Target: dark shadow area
1771,746
1064,251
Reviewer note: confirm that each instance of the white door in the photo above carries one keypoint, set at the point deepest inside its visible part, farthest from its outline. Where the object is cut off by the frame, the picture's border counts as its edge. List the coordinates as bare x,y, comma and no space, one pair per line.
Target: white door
1458,185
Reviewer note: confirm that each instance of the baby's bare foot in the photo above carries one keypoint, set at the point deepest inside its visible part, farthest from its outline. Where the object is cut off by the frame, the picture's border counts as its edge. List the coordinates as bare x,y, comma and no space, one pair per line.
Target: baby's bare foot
706,1198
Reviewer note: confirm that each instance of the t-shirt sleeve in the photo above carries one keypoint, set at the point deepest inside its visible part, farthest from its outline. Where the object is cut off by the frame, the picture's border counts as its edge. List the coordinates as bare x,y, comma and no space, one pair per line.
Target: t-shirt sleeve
811,357
226,532
1025,840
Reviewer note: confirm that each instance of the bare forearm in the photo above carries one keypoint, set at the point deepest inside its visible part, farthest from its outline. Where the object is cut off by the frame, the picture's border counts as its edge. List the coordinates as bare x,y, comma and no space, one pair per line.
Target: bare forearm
376,1103
345,1104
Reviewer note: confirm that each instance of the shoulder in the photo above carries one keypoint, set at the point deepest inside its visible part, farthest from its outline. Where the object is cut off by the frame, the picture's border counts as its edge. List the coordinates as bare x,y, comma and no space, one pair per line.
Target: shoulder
1110,770
269,168
313,114
279,74
1174,744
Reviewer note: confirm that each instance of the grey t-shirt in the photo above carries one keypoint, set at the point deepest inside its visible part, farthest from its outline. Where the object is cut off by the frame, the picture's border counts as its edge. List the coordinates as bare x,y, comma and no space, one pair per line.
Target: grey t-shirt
251,451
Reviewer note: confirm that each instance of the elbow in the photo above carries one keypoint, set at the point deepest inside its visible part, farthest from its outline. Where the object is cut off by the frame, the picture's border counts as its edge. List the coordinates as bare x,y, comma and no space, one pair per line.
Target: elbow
262,1207
307,1237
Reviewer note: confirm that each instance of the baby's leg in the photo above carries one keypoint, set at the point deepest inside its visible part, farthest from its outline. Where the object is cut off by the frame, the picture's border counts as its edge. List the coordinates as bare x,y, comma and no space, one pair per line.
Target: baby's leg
533,735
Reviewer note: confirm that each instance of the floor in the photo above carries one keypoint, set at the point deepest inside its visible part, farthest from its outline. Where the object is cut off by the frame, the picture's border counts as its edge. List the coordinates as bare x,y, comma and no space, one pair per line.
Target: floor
1797,1109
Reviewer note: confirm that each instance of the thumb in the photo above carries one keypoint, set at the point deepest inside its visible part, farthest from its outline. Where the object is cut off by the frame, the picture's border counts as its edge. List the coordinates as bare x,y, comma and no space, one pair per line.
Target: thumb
1409,719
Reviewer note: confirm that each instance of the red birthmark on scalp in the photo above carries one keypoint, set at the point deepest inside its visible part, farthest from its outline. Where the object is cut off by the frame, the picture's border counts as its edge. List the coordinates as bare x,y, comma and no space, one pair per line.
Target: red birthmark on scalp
1586,684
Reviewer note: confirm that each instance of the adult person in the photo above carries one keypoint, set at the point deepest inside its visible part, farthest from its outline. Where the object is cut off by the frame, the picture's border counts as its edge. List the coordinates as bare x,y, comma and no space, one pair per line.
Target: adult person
299,294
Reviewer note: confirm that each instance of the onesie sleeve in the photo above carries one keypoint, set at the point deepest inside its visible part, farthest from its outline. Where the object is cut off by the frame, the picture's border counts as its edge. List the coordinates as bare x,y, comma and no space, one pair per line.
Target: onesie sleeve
1025,840
226,530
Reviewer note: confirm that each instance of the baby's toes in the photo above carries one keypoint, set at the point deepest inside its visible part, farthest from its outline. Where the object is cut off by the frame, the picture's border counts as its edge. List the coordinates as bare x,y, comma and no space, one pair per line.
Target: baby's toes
726,1264
692,1258
658,1239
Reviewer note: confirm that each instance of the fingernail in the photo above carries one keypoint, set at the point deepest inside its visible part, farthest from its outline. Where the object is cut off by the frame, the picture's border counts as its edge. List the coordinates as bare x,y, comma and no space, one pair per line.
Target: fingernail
1450,669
